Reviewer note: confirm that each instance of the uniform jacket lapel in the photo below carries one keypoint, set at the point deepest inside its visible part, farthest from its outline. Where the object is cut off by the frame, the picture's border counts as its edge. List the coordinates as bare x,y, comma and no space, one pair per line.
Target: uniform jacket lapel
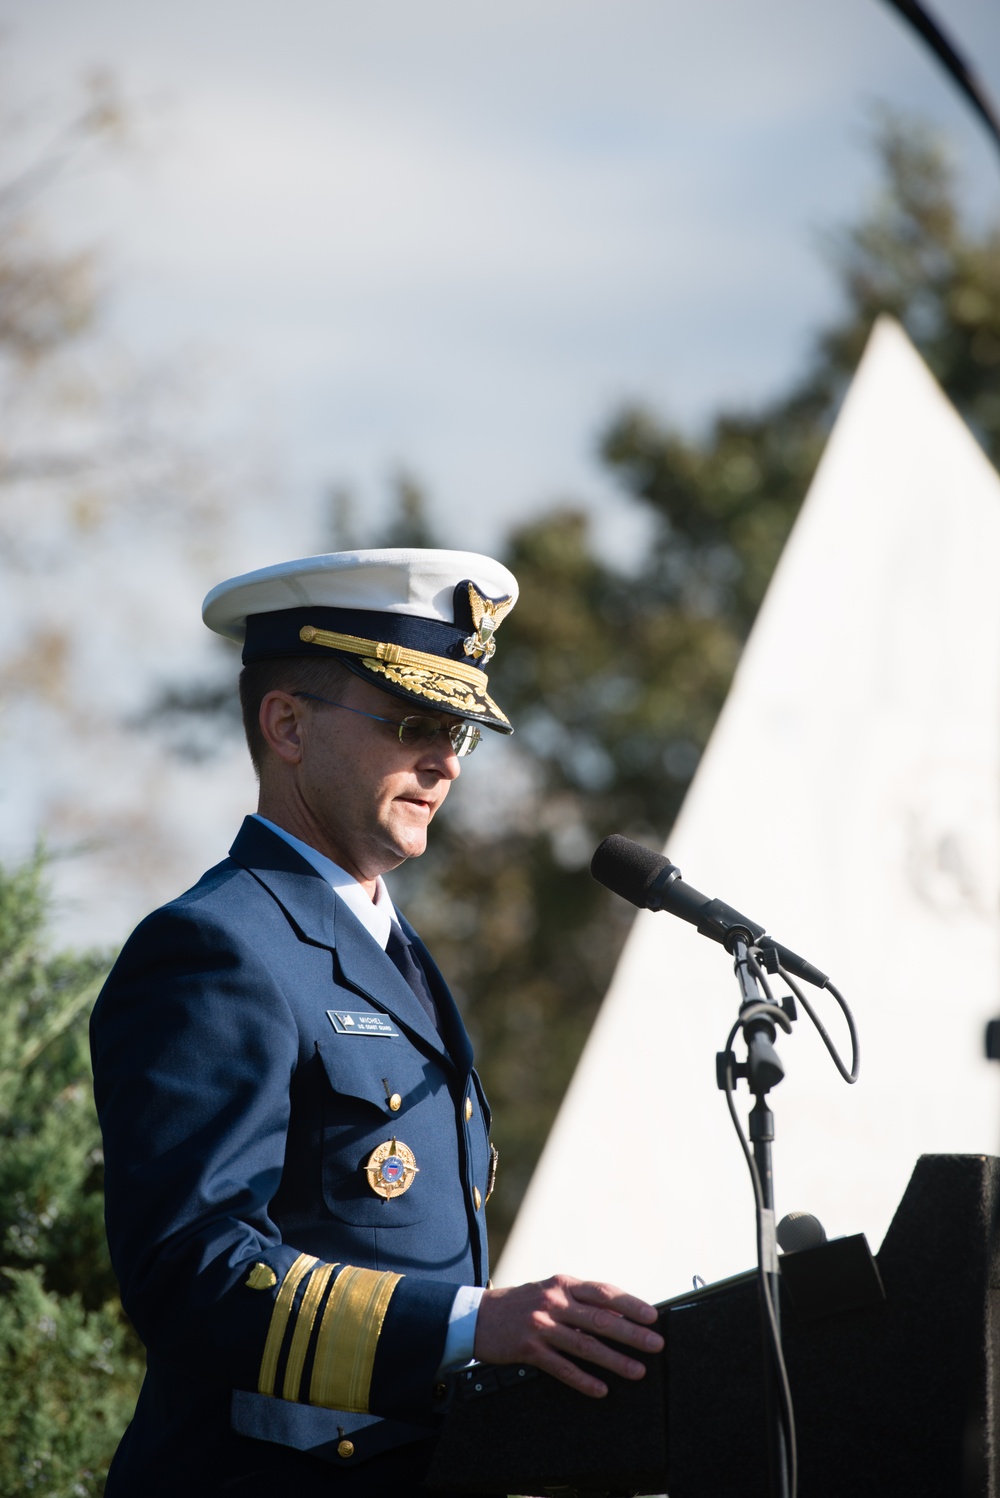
366,968
322,919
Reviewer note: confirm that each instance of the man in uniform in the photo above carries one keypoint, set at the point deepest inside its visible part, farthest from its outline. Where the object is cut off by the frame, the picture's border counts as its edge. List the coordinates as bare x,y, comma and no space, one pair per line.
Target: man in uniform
296,1144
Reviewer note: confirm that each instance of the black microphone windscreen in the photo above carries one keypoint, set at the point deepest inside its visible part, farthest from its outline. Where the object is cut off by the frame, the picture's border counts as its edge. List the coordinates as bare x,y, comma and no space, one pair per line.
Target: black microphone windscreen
800,1230
627,868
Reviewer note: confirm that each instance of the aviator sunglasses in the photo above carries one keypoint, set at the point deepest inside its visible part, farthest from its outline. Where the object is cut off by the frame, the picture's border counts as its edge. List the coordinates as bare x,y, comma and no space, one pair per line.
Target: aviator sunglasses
415,729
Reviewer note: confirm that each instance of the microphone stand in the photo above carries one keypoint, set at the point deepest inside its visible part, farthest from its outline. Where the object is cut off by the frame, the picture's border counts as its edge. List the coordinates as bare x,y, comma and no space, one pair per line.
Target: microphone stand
762,1071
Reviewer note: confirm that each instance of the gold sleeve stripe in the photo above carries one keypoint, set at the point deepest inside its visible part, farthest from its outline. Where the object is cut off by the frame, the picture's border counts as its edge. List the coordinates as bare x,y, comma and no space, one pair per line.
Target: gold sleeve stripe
348,1339
304,1322
393,655
279,1321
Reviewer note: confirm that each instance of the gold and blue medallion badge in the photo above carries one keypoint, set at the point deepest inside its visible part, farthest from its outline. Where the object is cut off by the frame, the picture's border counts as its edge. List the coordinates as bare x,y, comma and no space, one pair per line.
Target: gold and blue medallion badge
391,1169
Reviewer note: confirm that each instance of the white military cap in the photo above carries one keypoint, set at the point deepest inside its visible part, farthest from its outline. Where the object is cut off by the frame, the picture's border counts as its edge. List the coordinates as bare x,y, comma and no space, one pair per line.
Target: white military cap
417,623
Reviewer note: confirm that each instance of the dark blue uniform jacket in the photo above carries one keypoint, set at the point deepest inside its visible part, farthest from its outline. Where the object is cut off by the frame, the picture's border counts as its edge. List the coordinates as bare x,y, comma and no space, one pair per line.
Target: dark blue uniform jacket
280,1299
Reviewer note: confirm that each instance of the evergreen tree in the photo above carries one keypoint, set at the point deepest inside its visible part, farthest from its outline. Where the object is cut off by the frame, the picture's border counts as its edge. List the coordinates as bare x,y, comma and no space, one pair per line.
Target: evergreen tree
69,1365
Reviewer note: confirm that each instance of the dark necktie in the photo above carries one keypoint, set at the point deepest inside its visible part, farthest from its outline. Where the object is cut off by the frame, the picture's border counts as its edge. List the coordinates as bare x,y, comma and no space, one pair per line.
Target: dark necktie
400,952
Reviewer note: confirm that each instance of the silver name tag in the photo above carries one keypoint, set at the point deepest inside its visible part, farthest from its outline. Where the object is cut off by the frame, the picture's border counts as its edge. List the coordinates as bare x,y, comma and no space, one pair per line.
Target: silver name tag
365,1022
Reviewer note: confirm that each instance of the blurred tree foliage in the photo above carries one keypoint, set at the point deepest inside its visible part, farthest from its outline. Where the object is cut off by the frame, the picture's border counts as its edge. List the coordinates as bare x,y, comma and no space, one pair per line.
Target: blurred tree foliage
69,1365
614,681
100,450
62,411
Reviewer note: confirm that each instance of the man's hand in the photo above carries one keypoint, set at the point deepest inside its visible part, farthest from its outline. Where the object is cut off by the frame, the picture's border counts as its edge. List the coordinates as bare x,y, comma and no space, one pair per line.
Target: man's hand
538,1323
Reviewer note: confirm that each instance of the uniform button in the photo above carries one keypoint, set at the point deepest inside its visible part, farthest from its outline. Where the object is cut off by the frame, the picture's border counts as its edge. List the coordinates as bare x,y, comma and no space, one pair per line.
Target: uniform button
440,1390
468,1109
395,1102
345,1449
476,1197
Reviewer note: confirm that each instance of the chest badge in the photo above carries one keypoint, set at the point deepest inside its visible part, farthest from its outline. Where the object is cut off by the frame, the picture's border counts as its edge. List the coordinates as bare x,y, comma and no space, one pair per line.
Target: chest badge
391,1168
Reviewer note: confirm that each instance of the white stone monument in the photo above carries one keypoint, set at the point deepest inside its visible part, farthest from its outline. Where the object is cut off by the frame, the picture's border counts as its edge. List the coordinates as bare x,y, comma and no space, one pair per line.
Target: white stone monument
849,800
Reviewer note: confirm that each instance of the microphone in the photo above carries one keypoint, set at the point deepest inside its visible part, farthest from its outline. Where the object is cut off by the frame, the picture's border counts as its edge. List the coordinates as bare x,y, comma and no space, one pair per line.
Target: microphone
654,883
798,1230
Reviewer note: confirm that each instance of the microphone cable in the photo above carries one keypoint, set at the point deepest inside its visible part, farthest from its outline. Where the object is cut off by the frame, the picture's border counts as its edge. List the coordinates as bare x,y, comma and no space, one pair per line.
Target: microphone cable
777,1015
771,1010
850,1077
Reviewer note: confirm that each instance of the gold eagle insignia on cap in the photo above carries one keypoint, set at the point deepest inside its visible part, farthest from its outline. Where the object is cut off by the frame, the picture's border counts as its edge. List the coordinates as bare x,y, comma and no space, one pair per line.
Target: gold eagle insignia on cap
487,617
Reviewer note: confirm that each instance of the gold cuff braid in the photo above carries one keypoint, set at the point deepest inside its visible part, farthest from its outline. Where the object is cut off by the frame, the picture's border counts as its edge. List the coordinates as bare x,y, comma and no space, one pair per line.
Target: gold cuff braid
304,1323
279,1321
348,1338
345,1342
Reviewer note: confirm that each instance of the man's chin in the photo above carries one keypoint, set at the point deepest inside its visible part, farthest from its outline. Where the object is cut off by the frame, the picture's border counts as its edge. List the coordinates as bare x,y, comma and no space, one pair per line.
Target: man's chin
408,842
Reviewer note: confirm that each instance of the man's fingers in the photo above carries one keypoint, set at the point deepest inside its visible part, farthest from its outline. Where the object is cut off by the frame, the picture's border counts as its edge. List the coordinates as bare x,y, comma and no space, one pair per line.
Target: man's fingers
580,1344
619,1329
608,1312
570,1374
610,1298
547,1323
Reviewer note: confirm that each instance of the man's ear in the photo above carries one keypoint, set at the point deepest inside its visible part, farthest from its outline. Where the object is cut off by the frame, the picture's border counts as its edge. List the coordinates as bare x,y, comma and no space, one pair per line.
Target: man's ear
280,723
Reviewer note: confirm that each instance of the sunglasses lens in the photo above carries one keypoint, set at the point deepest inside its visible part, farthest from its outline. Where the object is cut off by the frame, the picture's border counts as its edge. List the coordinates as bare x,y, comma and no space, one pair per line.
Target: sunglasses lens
464,738
416,730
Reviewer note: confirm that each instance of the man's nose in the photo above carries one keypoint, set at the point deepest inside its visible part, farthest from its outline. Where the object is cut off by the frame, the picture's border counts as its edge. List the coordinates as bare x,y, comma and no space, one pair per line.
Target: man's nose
440,757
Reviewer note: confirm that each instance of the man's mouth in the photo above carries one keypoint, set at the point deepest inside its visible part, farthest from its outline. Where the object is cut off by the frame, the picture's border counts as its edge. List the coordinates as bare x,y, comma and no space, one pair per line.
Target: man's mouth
419,801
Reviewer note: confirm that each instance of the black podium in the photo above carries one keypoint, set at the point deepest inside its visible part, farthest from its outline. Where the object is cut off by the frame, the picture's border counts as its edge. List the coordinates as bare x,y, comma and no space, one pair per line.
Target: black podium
895,1397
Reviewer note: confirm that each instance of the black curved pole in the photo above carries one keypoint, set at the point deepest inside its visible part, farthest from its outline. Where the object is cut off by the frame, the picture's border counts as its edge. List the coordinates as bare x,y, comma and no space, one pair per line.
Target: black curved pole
921,21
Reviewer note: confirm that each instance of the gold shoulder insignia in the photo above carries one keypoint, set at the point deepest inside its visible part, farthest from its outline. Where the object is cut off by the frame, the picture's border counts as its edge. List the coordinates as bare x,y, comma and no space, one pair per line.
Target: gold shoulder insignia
487,617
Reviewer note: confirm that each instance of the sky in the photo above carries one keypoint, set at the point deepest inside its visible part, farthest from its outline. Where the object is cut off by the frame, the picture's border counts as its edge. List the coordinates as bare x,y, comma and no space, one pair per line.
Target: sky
443,238
452,238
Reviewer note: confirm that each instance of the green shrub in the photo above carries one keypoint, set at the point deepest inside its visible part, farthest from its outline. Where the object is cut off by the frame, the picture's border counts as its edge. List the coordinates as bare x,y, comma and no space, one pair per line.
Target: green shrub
70,1365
